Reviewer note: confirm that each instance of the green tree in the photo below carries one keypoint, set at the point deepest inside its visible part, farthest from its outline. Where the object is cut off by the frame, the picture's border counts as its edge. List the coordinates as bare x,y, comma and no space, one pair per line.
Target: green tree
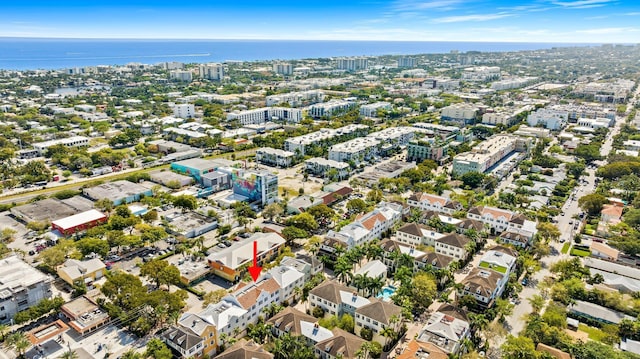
88,245
18,342
272,211
185,202
161,272
291,233
518,348
304,221
356,205
157,349
424,289
346,323
592,203
213,297
472,179
375,196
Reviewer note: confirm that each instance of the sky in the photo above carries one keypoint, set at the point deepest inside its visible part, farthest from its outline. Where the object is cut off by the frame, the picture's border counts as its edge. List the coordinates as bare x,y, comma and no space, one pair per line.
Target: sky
563,21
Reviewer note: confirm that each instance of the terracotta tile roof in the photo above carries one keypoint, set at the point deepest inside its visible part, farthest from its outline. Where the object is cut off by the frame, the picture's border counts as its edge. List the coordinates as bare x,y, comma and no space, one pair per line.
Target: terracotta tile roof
414,349
497,213
612,210
250,297
605,249
370,222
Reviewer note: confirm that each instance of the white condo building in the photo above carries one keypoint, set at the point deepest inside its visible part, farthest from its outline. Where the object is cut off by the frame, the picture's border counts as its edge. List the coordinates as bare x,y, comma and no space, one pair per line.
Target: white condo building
211,71
407,62
283,68
459,112
483,156
356,150
319,167
371,110
329,108
185,110
352,63
481,73
21,286
181,75
323,136
551,119
75,141
261,115
274,157
296,99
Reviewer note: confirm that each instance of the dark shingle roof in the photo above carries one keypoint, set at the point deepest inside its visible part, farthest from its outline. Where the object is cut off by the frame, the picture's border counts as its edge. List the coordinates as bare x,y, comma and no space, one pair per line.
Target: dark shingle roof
412,229
181,337
330,290
454,239
290,318
245,350
380,311
343,343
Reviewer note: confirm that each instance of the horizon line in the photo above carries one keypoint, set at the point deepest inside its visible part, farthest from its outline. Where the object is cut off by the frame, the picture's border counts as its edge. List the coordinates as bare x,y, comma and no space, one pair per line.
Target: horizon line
310,40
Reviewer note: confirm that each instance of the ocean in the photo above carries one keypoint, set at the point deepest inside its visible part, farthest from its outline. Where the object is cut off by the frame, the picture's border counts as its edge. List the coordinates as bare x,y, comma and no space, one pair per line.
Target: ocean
38,53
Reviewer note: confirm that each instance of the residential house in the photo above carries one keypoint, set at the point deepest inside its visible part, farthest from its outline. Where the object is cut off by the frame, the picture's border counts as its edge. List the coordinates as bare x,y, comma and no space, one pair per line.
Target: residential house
288,278
499,261
432,202
610,215
297,323
369,226
604,251
499,220
515,238
342,345
308,265
245,349
484,285
183,341
336,299
453,245
420,259
468,224
415,234
415,349
86,271
377,316
446,332
373,269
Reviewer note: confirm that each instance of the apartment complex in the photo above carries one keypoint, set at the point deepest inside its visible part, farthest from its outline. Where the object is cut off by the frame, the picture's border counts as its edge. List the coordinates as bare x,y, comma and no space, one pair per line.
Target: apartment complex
274,157
352,63
283,68
432,202
499,220
408,62
488,153
481,73
296,99
181,75
369,226
464,113
357,150
371,110
427,149
211,71
548,118
330,108
324,138
21,287
184,110
319,166
259,116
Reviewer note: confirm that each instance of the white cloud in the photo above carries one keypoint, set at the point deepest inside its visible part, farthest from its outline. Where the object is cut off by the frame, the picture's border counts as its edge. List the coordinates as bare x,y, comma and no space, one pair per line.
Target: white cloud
474,17
403,5
582,4
608,30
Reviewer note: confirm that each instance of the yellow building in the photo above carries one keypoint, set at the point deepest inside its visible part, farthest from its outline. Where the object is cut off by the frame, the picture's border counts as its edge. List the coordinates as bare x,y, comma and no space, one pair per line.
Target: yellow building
87,271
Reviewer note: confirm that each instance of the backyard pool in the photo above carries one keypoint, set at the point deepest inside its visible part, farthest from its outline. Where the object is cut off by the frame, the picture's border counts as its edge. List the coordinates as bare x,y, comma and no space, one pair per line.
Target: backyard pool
387,292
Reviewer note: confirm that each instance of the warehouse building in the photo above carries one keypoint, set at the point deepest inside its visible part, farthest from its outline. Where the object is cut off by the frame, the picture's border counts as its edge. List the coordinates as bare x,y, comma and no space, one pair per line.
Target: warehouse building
118,192
79,222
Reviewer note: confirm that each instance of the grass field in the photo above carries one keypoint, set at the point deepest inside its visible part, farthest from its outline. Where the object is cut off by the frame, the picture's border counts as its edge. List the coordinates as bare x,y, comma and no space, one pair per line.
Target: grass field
565,248
495,268
580,253
594,333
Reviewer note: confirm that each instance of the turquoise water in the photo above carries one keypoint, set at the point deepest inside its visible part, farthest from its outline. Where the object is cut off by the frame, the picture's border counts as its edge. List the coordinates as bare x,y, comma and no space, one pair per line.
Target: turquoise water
387,292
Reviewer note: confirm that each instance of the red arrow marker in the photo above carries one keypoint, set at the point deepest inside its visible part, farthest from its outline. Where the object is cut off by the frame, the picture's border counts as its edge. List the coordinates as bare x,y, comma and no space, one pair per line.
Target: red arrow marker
255,270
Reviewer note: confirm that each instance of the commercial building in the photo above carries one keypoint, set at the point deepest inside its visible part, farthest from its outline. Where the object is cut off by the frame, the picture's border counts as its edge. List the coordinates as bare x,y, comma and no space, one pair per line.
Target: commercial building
168,178
274,157
75,141
407,62
512,83
21,287
190,224
211,71
296,99
330,108
84,315
319,166
371,110
252,186
184,110
550,119
266,114
118,192
228,263
357,150
198,167
282,68
394,137
595,123
498,118
488,153
463,113
79,222
427,149
352,63
87,272
324,138
536,132
50,209
181,75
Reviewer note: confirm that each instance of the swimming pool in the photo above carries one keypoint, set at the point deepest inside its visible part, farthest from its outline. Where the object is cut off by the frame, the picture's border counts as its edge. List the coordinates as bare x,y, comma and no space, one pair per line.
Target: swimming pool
387,292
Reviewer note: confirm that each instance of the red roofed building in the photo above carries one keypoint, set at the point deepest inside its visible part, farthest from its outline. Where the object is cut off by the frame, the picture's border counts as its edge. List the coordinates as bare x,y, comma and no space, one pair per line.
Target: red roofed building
79,222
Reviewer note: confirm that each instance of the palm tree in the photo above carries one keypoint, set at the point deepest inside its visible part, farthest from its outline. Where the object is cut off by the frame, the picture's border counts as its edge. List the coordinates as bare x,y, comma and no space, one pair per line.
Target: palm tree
360,282
403,275
18,341
70,354
388,333
4,328
537,302
375,285
342,270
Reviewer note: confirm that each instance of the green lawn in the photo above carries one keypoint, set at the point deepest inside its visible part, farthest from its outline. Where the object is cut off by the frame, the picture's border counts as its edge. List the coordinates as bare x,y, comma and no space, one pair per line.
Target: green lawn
565,248
502,270
580,253
594,333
